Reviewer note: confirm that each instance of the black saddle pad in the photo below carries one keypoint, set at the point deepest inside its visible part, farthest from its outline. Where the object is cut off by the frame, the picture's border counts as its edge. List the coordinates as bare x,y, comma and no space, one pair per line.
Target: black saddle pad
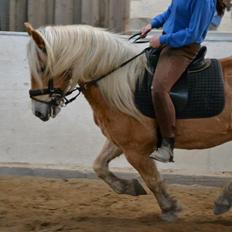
195,95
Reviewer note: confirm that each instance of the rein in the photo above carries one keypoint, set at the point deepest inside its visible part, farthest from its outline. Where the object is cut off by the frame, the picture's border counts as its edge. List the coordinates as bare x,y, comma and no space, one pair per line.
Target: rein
54,93
93,82
58,96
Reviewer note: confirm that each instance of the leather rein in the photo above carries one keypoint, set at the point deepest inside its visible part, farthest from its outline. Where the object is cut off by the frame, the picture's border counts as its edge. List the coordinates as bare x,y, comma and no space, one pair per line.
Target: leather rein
59,97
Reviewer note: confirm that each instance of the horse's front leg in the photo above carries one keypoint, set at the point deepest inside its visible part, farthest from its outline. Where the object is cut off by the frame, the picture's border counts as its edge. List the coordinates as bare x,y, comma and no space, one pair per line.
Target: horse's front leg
148,171
101,167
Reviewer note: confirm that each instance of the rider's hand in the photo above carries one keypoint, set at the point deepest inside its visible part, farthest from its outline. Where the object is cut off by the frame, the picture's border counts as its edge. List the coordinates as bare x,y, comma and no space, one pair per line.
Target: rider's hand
145,30
155,42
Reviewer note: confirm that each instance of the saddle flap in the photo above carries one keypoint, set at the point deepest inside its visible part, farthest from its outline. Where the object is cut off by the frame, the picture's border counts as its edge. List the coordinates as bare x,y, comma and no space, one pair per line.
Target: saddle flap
199,63
179,94
197,94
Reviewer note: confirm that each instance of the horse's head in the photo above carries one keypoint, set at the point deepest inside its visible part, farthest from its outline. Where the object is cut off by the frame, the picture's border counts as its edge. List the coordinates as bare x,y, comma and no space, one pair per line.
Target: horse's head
47,91
64,57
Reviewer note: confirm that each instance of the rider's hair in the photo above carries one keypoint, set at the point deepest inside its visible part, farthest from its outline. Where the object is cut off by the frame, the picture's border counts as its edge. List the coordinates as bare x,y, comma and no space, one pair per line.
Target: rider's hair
221,6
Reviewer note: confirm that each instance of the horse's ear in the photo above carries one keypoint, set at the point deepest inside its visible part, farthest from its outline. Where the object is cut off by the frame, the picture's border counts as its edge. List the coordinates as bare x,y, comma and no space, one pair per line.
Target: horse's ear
35,36
29,28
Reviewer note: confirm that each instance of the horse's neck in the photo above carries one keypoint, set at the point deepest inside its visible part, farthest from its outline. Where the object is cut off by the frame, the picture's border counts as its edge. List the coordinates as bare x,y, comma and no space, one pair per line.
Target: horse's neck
107,54
95,99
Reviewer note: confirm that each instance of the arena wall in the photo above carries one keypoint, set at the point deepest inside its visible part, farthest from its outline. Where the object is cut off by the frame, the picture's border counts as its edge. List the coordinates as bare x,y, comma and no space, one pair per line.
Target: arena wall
72,139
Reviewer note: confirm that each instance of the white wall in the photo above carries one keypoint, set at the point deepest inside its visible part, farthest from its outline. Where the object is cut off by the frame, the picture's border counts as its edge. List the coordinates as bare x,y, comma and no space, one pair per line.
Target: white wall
71,138
150,8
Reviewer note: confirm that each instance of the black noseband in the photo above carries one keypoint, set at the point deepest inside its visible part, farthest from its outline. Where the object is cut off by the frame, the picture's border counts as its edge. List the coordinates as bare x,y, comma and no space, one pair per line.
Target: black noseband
57,95
50,90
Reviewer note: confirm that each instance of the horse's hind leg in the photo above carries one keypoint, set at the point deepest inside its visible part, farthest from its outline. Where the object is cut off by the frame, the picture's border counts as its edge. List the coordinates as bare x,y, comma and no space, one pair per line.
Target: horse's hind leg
224,201
148,171
101,167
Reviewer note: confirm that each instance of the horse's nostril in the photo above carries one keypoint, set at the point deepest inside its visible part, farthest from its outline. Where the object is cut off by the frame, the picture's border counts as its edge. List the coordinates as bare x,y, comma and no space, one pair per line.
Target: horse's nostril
38,114
41,116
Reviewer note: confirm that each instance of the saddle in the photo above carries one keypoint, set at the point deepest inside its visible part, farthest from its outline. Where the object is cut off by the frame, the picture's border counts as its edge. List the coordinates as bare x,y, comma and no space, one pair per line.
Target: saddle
199,93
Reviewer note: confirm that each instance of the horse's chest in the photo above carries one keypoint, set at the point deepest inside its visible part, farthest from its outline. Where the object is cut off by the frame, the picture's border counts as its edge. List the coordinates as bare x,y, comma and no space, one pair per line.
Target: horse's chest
115,125
106,122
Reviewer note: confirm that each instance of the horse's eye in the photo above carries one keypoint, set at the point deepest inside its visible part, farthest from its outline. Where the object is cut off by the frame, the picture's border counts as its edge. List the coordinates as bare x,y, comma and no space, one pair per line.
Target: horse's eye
41,69
41,64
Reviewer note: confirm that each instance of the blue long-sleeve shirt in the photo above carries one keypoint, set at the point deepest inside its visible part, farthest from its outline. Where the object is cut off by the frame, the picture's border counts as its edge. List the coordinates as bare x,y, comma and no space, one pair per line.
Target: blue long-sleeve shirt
185,22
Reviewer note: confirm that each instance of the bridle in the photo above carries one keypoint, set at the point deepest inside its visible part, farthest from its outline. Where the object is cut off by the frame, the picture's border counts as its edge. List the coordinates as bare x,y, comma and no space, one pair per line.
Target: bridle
59,97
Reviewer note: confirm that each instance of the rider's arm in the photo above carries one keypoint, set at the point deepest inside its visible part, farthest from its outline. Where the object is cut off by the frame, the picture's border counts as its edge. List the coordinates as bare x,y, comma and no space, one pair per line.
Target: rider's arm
159,20
201,18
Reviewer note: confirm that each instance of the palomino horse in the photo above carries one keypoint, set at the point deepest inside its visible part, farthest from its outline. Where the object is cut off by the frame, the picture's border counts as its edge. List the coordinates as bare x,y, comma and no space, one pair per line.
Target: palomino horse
63,57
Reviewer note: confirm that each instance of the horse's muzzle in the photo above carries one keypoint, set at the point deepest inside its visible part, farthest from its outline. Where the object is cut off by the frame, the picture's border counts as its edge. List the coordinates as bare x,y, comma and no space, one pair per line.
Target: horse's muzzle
41,116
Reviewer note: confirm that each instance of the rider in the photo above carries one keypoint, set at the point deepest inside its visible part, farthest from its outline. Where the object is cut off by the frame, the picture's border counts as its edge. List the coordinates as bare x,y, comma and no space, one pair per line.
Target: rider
185,24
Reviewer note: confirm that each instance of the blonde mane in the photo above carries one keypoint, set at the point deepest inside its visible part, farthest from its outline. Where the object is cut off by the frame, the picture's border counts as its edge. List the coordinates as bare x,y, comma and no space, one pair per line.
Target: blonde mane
90,53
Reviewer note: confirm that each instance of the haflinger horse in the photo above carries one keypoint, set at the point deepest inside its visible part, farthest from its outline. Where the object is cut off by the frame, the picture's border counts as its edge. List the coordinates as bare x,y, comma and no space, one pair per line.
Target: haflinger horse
77,57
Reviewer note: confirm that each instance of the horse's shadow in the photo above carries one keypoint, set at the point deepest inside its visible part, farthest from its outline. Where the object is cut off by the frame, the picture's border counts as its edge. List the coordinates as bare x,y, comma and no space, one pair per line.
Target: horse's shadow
221,222
150,221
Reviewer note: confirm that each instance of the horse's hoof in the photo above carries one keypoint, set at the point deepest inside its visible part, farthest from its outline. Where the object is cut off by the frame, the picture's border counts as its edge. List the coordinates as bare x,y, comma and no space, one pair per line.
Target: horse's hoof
220,209
171,214
221,206
138,188
178,208
169,217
